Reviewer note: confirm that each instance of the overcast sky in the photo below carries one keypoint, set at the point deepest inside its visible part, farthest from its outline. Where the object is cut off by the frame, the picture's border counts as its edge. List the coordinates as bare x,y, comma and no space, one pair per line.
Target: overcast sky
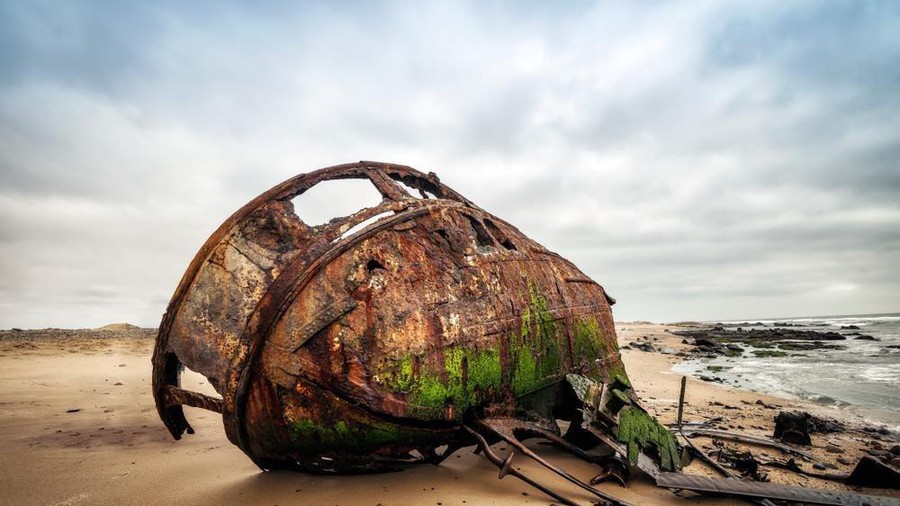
701,160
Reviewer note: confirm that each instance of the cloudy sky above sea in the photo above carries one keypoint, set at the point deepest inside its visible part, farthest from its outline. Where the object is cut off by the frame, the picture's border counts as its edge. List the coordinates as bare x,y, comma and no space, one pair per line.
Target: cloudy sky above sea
701,160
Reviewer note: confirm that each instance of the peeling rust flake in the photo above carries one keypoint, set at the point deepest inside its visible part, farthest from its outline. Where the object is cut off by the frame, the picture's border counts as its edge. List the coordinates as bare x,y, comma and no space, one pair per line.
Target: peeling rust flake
372,339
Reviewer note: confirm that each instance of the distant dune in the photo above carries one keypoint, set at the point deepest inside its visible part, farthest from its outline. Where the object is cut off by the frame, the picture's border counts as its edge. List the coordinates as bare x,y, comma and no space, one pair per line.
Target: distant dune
119,327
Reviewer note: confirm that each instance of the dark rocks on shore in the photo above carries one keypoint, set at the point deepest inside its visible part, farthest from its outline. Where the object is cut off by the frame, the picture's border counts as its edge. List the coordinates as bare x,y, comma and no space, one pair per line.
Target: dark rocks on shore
825,425
864,337
830,448
718,332
880,454
849,327
792,427
796,426
717,340
644,347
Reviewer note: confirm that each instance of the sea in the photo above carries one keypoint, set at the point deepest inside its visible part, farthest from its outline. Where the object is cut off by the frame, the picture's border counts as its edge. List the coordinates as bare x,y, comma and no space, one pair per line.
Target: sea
864,378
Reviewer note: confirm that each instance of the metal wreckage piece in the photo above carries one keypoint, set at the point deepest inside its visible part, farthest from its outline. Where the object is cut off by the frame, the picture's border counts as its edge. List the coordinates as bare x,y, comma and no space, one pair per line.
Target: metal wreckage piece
398,335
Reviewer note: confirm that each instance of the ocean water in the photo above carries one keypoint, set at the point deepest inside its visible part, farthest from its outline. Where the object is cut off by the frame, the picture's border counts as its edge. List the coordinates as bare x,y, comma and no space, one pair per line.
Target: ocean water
865,375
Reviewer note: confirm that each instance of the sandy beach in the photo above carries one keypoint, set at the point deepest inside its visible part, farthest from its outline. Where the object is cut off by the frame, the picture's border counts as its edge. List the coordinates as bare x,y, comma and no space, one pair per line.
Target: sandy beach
78,426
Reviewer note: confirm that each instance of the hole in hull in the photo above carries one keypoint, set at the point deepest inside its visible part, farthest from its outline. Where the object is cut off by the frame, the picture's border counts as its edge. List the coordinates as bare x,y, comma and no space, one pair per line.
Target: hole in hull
482,238
499,235
335,199
374,264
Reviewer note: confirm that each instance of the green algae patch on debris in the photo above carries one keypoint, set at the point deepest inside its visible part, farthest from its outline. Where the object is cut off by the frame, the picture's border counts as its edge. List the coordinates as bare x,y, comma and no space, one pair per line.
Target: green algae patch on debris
641,432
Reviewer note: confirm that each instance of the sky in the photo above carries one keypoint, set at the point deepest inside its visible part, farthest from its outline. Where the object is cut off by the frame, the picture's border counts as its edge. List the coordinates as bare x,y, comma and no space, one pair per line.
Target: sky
701,160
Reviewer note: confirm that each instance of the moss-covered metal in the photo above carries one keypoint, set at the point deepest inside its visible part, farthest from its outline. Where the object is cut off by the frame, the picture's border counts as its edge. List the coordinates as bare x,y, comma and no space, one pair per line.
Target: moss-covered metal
311,436
535,349
641,432
469,378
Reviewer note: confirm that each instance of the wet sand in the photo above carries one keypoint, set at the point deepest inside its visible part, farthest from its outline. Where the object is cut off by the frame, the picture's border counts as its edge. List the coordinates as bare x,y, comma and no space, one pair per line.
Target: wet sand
78,426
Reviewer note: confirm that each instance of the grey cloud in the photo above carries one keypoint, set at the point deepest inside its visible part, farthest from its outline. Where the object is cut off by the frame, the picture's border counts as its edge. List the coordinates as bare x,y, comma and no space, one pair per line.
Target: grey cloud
722,160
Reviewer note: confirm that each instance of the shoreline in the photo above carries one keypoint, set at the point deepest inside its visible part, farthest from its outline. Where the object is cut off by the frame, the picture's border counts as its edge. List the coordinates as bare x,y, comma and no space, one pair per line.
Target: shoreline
745,412
80,425
663,337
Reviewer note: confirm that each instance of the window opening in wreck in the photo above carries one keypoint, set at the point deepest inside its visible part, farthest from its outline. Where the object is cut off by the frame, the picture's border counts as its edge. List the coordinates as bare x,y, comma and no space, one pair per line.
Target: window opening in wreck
335,198
412,191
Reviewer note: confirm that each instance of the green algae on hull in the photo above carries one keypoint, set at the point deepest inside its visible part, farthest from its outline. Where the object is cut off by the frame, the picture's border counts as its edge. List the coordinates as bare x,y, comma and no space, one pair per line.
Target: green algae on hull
309,436
469,376
472,377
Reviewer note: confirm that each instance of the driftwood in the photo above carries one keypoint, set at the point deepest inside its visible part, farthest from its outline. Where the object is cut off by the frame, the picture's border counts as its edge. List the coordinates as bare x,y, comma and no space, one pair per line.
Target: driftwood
752,440
753,490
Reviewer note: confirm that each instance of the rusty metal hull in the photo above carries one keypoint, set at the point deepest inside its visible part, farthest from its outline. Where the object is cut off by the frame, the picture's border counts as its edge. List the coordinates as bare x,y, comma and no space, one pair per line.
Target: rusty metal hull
342,347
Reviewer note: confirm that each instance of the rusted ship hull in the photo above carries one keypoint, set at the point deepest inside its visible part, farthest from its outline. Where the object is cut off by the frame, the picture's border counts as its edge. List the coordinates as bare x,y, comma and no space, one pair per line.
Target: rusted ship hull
344,347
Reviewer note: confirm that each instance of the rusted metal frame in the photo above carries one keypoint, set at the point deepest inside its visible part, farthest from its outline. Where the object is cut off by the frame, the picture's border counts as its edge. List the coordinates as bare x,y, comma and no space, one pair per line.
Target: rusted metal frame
386,186
164,373
413,177
565,445
276,302
175,396
505,466
505,430
330,232
756,490
167,371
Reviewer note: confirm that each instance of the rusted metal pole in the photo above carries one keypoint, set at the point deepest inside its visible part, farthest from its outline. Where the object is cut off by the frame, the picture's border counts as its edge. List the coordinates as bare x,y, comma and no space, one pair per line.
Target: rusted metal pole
681,400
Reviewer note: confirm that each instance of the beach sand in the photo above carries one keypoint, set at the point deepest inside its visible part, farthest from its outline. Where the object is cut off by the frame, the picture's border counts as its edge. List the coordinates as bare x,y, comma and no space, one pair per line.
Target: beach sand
78,426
